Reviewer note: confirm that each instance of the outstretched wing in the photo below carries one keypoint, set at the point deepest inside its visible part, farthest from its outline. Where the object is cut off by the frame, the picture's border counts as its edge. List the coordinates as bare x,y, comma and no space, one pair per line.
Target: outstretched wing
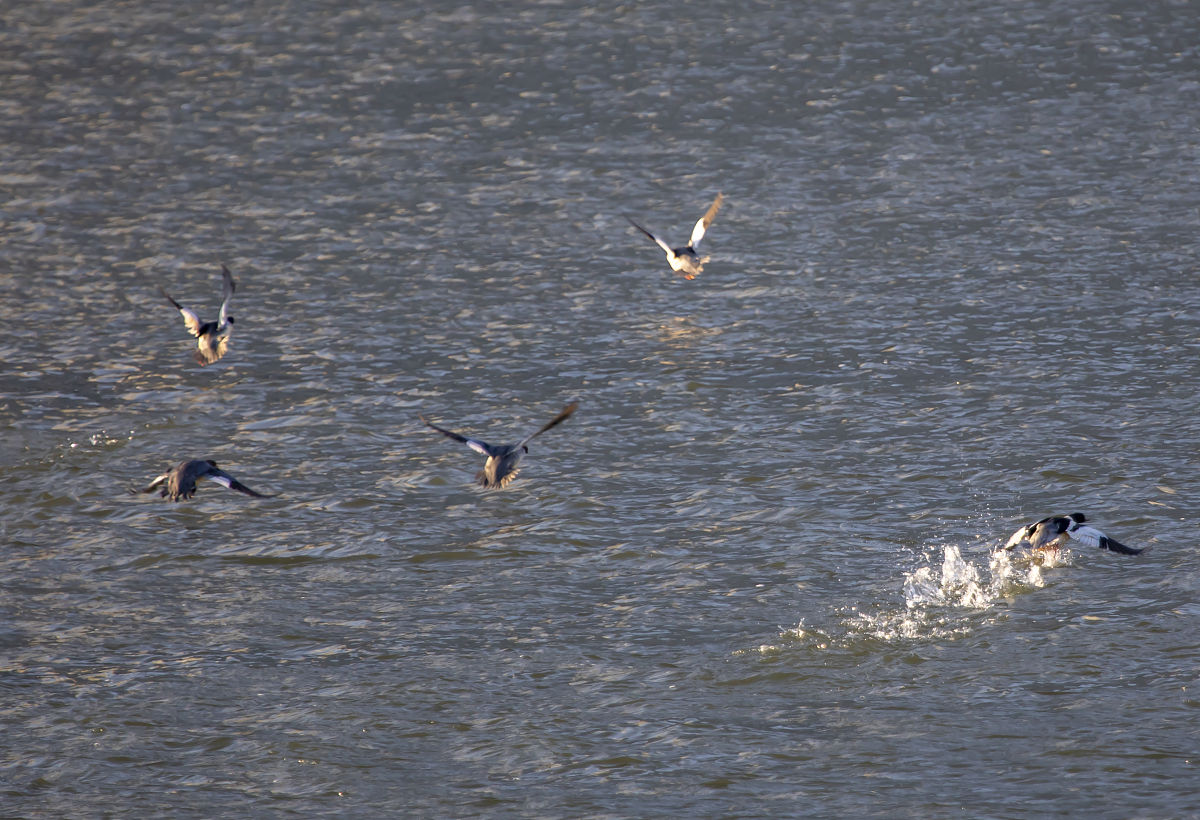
1116,546
153,485
661,244
703,222
1092,537
1087,536
559,419
481,447
189,318
226,480
1017,538
227,288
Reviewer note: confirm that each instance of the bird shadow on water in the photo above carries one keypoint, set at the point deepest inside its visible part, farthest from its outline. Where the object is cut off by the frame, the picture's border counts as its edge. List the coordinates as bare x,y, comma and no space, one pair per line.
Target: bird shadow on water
946,597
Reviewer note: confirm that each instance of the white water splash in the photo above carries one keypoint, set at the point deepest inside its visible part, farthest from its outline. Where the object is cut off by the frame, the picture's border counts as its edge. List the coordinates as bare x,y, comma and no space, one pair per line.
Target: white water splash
940,601
958,584
962,583
934,595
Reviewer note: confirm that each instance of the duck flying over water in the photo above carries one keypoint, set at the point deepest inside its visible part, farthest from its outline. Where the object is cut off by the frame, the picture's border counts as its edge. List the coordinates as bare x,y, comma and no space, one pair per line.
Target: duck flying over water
686,260
179,483
210,343
502,462
1055,531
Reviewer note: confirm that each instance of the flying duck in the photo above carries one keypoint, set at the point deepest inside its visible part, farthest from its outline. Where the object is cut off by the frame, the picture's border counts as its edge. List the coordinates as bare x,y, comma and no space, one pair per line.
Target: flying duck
1055,531
181,481
502,462
210,344
685,260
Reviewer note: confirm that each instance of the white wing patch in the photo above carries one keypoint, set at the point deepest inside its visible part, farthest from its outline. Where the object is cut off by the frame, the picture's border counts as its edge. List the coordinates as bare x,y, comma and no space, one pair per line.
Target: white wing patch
1088,536
1016,539
228,286
663,245
191,320
703,222
159,480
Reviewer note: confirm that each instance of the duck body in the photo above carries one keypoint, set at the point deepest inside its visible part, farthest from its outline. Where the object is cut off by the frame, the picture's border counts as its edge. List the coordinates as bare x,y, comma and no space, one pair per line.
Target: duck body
686,260
503,460
1056,530
179,483
212,338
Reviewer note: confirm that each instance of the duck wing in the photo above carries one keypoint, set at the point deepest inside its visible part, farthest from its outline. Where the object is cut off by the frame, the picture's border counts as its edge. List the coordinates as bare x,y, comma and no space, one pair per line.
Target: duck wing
189,318
559,419
658,241
481,447
226,480
1092,537
703,222
228,286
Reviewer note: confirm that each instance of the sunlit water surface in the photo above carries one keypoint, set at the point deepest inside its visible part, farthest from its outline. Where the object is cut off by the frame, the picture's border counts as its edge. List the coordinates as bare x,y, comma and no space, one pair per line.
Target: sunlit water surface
953,289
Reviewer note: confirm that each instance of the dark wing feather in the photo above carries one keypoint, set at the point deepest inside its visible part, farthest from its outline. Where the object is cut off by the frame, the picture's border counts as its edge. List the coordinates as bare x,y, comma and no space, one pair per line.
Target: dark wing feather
481,447
190,319
1116,546
226,480
448,433
559,419
653,238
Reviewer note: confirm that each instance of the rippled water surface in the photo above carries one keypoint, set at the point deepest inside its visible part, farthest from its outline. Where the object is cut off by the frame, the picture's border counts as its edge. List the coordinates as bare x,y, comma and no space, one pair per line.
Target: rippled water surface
953,289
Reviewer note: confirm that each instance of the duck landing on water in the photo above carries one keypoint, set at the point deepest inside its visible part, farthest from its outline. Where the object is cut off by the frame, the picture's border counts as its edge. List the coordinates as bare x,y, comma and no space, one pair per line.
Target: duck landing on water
179,483
210,343
1055,531
685,260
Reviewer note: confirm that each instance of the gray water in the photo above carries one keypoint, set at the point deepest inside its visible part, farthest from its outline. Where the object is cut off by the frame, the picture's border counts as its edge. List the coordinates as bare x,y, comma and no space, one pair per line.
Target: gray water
953,290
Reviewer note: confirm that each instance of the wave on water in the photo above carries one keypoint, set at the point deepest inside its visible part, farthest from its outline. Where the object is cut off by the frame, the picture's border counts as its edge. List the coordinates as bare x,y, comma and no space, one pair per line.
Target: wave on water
941,600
